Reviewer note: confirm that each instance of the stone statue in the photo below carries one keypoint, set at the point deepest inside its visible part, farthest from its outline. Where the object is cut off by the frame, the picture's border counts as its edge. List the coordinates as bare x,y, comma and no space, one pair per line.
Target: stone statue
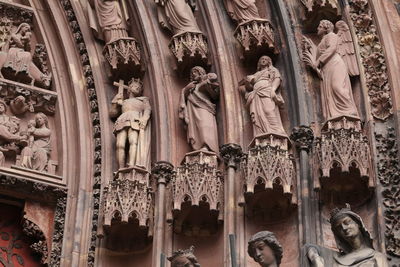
132,126
9,127
108,18
35,155
263,99
242,10
265,249
184,258
336,92
346,47
16,58
177,16
198,111
354,243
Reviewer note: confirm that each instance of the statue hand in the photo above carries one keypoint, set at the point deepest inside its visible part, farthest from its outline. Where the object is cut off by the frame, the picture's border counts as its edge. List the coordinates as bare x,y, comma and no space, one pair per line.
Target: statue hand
142,123
314,257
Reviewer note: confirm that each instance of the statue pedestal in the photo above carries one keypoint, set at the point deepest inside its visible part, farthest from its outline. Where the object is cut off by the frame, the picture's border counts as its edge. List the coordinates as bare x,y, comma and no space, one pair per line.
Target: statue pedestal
197,191
256,37
269,174
128,210
190,49
124,57
342,157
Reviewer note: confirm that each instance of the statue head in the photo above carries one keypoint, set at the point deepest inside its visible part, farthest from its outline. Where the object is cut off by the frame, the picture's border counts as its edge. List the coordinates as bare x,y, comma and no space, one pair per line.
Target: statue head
263,62
341,26
184,258
41,119
324,27
265,249
3,106
196,73
23,28
135,87
347,226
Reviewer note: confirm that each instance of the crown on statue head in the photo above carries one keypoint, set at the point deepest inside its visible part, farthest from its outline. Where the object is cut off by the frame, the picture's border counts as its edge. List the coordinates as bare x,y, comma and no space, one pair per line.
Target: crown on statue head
336,212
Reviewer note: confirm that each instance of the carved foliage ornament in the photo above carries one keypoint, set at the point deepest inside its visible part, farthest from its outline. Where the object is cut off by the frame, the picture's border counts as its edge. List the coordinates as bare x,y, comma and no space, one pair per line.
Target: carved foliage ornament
40,244
303,136
372,58
388,175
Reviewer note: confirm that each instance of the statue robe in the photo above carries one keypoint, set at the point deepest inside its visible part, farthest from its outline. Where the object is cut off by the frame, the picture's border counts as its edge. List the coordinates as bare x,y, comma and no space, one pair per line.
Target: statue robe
177,16
367,257
336,92
199,113
263,103
107,20
242,10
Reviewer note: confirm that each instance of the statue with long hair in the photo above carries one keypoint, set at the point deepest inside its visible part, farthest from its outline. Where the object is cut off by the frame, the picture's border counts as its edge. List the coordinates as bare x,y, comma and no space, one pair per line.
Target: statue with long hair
263,98
265,249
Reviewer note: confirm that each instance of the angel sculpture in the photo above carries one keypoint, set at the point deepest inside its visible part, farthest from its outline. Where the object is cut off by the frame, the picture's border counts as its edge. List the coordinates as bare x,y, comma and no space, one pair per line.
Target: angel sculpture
327,61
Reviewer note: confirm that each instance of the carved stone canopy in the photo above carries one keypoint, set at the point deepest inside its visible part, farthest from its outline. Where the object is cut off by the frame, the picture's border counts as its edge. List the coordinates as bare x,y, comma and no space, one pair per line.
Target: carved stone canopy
197,191
342,158
190,49
257,38
269,170
128,204
316,10
124,57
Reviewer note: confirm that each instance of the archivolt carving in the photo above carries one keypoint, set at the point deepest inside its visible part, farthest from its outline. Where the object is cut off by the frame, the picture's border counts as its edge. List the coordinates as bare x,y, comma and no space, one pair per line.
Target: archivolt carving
372,58
90,87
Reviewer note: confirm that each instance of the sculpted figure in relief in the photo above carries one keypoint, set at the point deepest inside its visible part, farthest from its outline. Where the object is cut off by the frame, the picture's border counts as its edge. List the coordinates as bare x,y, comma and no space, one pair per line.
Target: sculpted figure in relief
242,10
132,127
198,111
336,92
354,243
9,127
265,249
35,155
16,56
263,99
108,18
346,47
184,258
177,16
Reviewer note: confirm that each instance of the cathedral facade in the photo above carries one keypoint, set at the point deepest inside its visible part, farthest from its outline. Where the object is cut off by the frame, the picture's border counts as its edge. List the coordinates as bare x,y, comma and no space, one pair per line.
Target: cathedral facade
173,133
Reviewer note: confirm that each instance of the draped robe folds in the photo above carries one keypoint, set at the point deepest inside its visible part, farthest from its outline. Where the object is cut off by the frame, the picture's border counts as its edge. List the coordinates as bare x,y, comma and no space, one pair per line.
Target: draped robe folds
178,16
108,20
199,112
263,103
134,109
242,10
366,257
336,92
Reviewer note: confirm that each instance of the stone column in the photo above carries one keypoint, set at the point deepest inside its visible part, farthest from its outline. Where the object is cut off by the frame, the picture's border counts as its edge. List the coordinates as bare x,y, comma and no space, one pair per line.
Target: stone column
232,154
162,172
303,136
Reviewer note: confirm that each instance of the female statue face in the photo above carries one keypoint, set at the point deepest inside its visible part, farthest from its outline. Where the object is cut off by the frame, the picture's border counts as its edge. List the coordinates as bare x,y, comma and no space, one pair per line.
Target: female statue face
263,62
347,228
263,254
2,108
40,120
